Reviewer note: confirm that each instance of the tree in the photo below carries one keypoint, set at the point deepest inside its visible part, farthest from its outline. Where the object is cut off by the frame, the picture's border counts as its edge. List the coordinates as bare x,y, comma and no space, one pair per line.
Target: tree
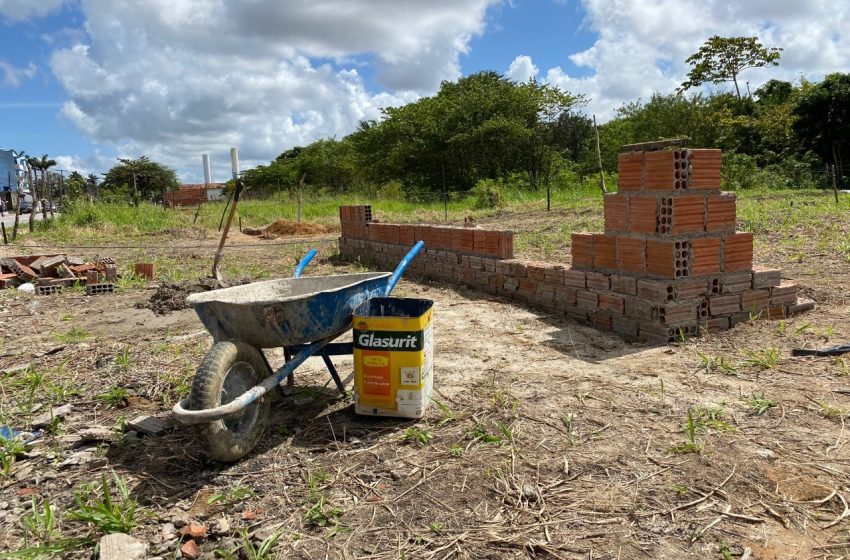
44,164
142,178
33,163
823,119
722,59
91,184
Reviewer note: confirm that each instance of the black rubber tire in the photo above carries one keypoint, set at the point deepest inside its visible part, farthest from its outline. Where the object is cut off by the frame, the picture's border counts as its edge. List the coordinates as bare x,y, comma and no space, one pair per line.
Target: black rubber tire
232,438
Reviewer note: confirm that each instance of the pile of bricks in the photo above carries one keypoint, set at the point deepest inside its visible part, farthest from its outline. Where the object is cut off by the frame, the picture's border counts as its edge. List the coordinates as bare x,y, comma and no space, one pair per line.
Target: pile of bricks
50,273
356,223
671,254
669,264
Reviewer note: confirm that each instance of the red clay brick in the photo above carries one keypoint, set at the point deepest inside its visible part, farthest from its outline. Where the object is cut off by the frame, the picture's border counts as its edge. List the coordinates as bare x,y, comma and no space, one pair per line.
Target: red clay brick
660,259
631,254
705,169
659,170
506,244
738,252
598,281
753,301
653,290
720,212
575,278
676,314
604,251
624,284
582,249
479,242
611,303
536,270
766,277
643,214
616,211
688,214
724,305
690,288
705,255
630,171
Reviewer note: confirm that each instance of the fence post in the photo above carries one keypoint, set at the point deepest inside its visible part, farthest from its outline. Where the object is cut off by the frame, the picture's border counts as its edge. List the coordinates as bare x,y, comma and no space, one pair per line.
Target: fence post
300,189
834,185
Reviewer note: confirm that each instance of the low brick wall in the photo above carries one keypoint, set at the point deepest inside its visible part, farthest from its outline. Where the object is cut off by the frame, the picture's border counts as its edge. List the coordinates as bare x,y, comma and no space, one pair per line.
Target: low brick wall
634,305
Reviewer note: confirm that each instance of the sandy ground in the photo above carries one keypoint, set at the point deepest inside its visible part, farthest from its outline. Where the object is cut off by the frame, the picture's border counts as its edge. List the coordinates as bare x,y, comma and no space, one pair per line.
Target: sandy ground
551,440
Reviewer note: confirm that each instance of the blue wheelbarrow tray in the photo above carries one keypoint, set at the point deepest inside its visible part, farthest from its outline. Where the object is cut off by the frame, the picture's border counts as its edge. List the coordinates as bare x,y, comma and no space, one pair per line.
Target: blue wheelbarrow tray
288,311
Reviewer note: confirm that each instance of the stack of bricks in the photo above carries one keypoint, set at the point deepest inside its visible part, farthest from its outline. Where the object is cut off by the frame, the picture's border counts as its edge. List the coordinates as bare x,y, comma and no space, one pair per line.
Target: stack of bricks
360,232
671,261
669,264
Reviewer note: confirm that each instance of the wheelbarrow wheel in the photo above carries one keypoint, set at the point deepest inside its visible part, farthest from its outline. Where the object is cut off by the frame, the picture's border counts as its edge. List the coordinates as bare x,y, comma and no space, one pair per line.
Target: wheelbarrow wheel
229,369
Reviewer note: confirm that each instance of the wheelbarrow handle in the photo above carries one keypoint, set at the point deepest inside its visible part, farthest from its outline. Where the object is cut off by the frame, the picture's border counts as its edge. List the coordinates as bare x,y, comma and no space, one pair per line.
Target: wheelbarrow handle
399,270
302,264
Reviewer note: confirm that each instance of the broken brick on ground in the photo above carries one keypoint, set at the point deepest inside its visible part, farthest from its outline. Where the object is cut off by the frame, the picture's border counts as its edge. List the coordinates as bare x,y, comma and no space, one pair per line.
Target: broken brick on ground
51,273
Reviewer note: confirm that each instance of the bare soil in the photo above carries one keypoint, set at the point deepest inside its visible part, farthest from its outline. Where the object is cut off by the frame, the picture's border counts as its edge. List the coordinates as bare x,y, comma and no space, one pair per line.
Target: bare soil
550,440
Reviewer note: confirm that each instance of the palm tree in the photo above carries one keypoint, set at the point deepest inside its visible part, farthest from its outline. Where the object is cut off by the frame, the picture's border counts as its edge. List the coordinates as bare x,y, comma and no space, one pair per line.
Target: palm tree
32,164
44,164
92,182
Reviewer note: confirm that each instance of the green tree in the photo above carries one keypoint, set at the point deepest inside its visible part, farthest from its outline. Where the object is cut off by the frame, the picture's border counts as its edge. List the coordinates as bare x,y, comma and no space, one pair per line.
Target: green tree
75,185
823,119
44,164
142,178
722,59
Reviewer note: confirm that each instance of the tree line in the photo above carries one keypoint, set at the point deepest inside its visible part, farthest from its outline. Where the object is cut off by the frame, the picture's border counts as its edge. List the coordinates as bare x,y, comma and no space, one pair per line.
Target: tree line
487,128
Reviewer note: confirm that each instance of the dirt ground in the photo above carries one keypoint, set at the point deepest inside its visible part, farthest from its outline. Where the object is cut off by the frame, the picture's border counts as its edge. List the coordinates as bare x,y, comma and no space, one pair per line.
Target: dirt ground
550,439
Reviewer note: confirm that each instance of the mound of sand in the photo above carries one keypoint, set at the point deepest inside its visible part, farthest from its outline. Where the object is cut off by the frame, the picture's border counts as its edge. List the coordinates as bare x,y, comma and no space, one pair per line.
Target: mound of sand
286,228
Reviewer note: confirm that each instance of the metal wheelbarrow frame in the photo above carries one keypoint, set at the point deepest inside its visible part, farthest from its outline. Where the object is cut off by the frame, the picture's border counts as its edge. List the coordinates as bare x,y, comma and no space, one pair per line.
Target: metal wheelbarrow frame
301,315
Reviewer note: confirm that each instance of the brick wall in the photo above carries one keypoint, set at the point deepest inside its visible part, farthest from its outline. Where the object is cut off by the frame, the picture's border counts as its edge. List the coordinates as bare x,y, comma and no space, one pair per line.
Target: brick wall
669,264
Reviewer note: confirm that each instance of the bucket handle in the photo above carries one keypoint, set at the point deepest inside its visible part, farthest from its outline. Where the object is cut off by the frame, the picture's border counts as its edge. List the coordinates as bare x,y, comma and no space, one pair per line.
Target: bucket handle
302,264
399,270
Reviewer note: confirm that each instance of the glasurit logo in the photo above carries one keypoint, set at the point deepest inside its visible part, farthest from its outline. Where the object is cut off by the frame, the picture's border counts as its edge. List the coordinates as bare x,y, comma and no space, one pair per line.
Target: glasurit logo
388,340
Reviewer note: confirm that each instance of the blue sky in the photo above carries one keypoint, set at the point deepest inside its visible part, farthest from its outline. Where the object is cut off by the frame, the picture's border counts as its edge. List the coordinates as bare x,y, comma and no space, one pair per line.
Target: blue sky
86,81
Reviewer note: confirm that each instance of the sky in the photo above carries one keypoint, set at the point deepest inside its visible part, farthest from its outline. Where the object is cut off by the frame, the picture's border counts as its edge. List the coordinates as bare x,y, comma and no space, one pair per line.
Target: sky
88,81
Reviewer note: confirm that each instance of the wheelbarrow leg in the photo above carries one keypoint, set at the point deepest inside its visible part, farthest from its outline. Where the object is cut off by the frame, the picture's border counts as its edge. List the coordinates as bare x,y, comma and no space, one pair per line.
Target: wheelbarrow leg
290,379
334,374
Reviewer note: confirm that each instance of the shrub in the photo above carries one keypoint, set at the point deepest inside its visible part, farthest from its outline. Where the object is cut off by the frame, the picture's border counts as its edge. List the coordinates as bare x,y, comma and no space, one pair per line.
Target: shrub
487,194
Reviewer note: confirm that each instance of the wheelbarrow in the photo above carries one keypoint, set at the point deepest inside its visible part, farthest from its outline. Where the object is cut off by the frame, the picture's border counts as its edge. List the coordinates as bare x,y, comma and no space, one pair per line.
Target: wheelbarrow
229,395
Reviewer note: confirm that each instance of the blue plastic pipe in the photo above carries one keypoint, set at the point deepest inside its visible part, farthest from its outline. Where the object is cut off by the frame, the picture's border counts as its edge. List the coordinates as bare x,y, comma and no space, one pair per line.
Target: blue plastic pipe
302,264
399,270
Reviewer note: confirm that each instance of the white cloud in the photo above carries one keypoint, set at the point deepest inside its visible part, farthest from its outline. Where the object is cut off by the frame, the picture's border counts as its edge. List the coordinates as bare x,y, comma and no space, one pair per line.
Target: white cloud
521,69
642,44
13,76
16,10
175,78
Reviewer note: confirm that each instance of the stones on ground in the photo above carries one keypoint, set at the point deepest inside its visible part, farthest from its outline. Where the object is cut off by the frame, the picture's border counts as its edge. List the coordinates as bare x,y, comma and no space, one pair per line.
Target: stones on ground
529,492
168,531
222,526
43,420
118,546
249,515
87,435
147,425
86,457
190,549
195,530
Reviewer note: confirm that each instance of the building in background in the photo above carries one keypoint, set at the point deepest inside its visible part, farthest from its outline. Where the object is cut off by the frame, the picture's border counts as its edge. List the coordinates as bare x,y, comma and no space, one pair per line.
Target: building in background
13,176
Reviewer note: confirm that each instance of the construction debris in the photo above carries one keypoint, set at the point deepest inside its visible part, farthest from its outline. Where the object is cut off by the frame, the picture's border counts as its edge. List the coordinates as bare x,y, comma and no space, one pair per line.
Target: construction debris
48,274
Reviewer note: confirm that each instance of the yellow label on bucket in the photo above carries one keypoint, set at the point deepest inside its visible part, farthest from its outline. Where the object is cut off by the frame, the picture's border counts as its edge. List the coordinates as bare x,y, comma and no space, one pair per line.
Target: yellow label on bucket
393,357
376,361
